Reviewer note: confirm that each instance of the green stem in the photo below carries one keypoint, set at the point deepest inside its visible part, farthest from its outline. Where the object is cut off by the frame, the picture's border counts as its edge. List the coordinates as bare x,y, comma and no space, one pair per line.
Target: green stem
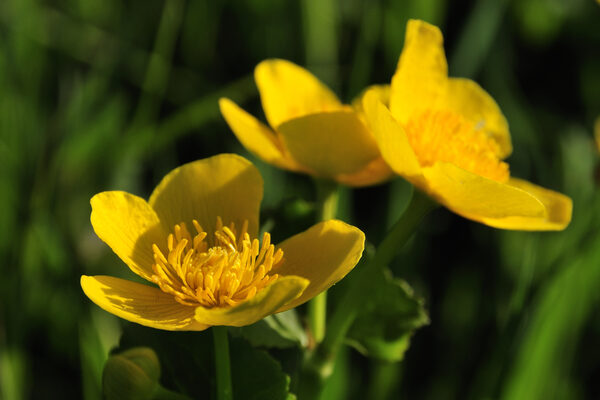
317,316
320,20
159,63
222,366
327,200
385,381
347,310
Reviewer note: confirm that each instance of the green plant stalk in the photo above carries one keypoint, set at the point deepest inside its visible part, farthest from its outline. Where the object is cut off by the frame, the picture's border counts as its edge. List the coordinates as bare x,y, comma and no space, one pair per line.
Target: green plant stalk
321,361
222,365
386,379
321,21
327,200
159,63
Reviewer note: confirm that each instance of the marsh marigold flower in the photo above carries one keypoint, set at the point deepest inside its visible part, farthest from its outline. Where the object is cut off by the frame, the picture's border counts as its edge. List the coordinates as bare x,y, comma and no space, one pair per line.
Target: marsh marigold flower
196,241
448,137
312,131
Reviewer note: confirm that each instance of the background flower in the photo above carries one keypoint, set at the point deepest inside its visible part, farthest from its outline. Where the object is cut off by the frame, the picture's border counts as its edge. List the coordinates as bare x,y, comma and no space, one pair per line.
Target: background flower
448,137
313,132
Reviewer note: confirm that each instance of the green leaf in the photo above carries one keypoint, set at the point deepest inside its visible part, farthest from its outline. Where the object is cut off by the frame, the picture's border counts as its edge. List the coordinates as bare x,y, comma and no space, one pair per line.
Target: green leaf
255,374
554,328
390,315
280,331
187,363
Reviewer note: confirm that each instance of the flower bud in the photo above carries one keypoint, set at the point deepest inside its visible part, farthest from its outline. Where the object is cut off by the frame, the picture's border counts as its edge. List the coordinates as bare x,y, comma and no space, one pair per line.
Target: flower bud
132,374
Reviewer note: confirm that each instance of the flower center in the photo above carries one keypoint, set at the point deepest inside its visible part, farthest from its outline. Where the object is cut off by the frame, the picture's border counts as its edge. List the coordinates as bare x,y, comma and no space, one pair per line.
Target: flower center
215,272
446,136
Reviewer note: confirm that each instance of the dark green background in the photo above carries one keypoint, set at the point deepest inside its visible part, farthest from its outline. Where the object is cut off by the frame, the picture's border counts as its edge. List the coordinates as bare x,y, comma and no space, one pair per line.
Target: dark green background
112,94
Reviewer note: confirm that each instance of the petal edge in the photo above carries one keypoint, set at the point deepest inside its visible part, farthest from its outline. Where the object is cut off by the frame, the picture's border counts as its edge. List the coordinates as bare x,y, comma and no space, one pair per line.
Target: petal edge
225,185
391,138
558,211
323,254
129,226
422,70
266,302
254,136
329,143
477,197
289,91
140,303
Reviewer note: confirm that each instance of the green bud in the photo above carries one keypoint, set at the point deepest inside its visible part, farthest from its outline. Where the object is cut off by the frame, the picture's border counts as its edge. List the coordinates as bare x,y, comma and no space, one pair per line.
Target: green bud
132,374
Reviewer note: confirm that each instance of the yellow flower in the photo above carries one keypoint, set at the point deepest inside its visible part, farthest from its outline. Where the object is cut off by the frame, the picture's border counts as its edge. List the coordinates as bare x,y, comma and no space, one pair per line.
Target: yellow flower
448,137
313,132
220,274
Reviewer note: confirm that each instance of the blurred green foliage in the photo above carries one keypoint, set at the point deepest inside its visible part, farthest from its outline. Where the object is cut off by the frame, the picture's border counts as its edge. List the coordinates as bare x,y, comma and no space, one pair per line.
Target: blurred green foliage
107,95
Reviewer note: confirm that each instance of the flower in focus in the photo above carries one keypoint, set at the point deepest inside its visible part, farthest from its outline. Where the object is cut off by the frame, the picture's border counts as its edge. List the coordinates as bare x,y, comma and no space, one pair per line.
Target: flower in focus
196,241
448,137
312,131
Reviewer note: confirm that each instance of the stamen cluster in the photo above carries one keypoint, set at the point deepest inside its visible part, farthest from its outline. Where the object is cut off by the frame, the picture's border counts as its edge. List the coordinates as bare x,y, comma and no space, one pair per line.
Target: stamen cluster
446,136
217,271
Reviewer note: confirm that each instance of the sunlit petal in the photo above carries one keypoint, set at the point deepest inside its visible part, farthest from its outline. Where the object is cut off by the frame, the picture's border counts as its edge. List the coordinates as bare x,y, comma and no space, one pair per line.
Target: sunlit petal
329,143
422,71
380,92
266,302
558,211
254,135
469,194
139,303
289,91
225,185
393,142
468,99
129,226
323,255
375,172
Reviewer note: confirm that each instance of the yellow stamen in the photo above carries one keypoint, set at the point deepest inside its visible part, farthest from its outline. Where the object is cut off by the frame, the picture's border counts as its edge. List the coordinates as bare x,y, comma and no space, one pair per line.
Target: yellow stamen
445,136
231,270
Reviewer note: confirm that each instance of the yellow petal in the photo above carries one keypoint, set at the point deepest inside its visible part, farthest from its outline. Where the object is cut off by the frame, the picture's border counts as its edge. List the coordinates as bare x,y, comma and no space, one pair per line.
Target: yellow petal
468,99
373,173
474,196
391,138
255,136
266,302
558,211
421,73
129,226
139,303
329,143
289,91
225,185
381,92
323,254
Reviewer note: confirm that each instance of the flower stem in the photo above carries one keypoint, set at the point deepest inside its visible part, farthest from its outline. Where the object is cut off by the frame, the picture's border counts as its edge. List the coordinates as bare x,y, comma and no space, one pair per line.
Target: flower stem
317,316
222,366
327,200
347,310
